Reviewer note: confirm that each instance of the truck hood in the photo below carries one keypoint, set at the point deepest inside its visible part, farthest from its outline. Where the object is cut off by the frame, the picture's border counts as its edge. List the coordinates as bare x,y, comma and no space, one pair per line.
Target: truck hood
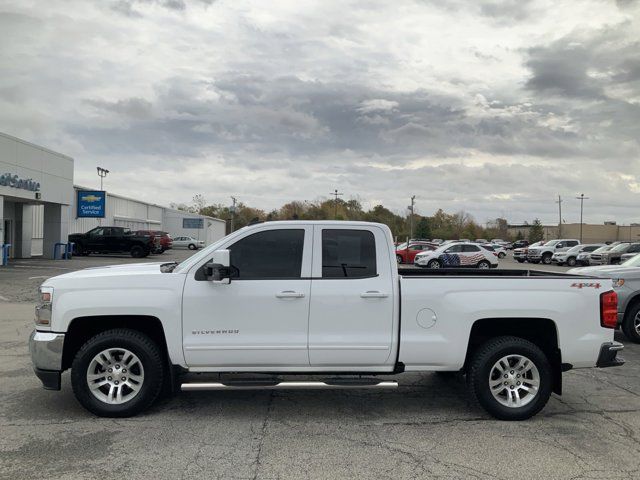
113,271
607,271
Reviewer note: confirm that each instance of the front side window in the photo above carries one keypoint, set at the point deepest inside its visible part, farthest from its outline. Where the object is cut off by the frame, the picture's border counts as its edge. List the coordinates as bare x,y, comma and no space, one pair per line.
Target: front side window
470,248
348,254
267,255
97,231
454,249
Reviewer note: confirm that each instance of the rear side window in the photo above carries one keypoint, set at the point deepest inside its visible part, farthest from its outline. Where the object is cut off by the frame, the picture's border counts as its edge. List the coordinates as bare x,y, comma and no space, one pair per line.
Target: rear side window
454,249
470,248
634,248
268,255
348,254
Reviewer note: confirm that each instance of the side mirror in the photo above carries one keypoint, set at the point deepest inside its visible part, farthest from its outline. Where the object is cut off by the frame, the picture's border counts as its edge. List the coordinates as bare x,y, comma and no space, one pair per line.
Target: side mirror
559,245
217,270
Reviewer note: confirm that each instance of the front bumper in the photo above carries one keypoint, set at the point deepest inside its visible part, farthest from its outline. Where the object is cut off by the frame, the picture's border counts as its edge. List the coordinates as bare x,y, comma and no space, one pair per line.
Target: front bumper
609,355
46,356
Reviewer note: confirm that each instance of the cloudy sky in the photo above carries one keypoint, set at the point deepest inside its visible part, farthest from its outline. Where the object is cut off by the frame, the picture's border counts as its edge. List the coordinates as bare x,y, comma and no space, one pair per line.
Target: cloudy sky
494,107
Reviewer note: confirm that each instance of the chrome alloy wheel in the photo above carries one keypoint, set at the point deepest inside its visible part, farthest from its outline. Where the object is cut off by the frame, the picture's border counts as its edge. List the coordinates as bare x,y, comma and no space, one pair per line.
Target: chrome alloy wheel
514,381
636,323
115,376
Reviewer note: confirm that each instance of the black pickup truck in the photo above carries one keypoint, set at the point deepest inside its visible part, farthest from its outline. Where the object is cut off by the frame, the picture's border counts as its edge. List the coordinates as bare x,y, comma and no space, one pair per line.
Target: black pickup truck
112,240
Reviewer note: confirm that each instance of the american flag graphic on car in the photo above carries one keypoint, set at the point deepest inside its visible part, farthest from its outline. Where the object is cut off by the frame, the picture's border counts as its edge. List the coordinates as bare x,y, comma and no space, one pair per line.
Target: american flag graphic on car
457,260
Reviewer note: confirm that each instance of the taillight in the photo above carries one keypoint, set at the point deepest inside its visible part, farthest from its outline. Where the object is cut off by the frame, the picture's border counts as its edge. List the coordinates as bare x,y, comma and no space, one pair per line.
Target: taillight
609,309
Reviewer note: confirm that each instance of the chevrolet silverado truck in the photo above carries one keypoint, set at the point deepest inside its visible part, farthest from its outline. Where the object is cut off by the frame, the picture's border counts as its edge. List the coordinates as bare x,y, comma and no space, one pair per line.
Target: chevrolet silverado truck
114,240
323,302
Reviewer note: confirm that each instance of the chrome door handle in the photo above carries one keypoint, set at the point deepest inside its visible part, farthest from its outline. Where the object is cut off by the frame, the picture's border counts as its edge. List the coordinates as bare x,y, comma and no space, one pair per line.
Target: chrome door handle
290,294
373,294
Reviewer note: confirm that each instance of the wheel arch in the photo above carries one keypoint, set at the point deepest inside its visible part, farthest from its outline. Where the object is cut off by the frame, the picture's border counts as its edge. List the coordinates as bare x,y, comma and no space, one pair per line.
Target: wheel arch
82,329
542,332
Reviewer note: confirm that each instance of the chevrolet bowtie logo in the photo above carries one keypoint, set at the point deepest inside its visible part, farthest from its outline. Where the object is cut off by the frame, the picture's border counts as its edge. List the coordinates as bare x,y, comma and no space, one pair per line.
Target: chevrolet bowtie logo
90,198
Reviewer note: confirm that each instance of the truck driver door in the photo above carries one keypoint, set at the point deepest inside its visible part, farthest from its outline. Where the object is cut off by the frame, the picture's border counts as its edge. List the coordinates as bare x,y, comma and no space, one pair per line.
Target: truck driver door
260,319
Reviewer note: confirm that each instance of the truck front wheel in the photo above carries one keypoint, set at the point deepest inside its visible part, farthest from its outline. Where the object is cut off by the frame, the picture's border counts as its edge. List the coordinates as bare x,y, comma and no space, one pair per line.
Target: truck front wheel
117,373
510,378
137,251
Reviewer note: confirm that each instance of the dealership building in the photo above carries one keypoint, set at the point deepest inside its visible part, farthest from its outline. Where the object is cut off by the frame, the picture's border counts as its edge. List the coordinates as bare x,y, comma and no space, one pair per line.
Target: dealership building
40,205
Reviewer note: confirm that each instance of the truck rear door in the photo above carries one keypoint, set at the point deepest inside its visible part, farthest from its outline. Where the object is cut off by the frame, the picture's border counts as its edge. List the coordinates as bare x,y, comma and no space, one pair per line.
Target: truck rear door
351,315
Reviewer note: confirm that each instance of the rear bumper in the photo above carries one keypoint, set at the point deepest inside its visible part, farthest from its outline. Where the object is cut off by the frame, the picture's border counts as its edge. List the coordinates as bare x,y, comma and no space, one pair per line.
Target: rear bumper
609,355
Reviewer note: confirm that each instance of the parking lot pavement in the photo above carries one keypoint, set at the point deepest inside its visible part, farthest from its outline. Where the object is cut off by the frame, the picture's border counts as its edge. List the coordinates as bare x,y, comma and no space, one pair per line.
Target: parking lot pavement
424,429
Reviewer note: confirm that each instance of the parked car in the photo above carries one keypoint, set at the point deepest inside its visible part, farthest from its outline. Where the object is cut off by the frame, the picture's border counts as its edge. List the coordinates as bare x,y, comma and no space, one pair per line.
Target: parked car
613,255
584,259
520,254
163,243
499,250
437,241
627,256
626,283
166,242
481,241
464,254
187,242
519,244
113,240
406,254
246,305
545,252
570,257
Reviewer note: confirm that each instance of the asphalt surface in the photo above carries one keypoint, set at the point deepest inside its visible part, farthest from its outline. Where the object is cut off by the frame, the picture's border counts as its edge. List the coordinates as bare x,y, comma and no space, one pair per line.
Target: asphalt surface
424,429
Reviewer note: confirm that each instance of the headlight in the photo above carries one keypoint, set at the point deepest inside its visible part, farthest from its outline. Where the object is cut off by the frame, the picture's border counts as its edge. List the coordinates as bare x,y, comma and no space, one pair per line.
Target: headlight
43,309
617,282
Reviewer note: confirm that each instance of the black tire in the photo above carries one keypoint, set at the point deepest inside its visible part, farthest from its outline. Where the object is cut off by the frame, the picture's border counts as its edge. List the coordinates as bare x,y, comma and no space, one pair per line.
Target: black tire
628,324
546,258
483,264
192,246
480,369
434,264
520,260
139,344
399,259
571,262
138,252
502,255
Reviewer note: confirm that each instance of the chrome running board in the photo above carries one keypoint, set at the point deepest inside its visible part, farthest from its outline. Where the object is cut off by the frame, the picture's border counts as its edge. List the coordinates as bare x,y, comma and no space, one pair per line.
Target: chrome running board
270,385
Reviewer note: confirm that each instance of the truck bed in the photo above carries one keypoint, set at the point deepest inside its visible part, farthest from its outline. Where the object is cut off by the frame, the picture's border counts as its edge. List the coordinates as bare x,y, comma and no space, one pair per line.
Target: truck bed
476,272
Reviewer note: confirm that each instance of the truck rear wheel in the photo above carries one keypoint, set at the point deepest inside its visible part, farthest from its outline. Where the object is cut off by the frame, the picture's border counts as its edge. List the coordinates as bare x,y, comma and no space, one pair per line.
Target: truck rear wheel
117,373
510,378
631,323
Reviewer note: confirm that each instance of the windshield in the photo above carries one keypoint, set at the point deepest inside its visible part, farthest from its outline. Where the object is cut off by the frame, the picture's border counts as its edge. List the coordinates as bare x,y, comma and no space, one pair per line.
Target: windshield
575,249
632,262
551,243
606,248
619,248
402,246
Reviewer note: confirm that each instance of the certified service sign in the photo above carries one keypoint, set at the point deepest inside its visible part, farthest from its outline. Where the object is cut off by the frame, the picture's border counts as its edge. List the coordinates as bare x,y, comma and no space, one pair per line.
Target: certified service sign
91,203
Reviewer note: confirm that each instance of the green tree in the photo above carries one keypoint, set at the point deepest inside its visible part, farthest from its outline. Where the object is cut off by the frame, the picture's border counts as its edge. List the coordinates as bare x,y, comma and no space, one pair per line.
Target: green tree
423,228
536,232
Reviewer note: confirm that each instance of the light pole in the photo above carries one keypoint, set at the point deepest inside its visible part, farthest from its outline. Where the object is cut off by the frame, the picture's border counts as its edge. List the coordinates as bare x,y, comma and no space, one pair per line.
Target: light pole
582,198
336,194
102,172
233,213
559,202
410,207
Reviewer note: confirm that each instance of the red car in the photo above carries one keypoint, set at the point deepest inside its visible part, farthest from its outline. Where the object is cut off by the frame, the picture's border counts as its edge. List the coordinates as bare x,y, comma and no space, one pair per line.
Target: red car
162,240
407,255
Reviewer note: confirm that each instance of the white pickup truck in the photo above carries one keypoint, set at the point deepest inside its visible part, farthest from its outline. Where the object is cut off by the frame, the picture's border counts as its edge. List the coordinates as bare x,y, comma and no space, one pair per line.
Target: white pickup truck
321,299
